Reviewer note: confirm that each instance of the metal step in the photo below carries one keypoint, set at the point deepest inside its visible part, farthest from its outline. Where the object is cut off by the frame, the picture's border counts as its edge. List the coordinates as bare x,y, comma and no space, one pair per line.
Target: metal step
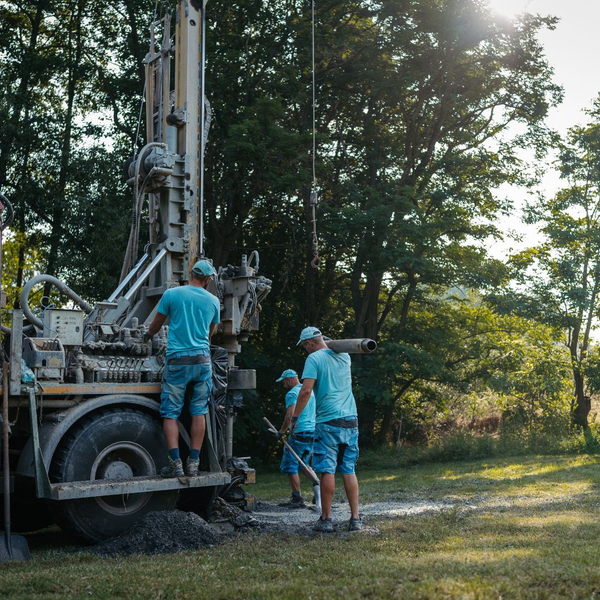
72,490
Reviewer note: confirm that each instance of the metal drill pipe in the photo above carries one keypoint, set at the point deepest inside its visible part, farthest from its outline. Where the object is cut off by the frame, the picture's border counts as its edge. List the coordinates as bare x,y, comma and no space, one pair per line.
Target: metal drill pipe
355,346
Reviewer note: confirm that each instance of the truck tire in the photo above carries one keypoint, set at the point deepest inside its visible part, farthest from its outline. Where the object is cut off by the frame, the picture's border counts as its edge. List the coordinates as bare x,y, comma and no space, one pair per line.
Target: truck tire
115,443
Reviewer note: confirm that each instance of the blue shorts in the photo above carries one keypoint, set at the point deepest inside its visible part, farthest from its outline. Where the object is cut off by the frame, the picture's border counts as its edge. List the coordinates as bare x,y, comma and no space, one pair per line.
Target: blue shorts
176,379
304,450
335,449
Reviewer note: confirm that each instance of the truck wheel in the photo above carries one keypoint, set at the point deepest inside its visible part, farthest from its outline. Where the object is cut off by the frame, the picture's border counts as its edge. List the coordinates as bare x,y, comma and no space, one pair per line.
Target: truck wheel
113,444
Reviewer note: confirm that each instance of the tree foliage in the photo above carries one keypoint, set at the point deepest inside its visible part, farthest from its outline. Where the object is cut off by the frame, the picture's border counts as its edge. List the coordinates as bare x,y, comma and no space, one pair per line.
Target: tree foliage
561,276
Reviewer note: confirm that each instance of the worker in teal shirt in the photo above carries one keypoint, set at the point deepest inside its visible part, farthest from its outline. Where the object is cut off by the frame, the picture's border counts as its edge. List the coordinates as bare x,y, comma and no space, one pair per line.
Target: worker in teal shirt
335,449
302,440
193,314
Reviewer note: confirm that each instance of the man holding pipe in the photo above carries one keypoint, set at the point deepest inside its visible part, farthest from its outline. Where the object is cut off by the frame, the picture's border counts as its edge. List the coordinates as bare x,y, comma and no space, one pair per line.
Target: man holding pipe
328,374
302,440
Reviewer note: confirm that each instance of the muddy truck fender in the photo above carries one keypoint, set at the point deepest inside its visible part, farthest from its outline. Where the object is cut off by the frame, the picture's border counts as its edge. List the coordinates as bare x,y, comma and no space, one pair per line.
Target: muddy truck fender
53,429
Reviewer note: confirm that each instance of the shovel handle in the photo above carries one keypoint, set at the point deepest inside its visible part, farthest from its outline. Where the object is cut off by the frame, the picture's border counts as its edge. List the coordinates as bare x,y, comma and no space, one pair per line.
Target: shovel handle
5,465
311,474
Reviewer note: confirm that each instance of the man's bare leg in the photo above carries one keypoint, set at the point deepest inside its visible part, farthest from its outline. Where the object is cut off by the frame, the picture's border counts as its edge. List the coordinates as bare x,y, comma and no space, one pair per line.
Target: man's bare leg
197,432
294,482
351,487
171,431
327,490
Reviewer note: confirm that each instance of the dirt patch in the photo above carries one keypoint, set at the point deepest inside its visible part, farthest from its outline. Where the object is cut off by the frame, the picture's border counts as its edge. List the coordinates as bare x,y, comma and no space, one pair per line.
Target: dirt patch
164,532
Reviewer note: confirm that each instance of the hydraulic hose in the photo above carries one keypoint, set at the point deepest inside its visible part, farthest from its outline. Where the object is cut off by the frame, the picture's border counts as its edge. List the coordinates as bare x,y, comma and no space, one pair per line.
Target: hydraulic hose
254,255
64,289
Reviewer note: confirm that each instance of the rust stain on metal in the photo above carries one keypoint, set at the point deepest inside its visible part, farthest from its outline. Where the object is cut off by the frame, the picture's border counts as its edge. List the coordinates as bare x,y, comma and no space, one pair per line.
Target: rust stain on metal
64,389
92,389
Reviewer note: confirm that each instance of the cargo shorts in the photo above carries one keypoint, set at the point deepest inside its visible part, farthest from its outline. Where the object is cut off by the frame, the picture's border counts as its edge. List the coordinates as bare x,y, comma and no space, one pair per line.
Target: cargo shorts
303,449
335,449
177,378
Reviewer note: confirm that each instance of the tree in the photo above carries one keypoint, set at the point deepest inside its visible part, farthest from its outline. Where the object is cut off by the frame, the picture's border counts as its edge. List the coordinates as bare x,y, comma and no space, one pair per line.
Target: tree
415,191
562,274
57,72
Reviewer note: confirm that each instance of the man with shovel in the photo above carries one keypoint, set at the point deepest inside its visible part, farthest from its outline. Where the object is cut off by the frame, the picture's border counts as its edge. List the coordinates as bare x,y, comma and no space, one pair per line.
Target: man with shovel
302,441
336,432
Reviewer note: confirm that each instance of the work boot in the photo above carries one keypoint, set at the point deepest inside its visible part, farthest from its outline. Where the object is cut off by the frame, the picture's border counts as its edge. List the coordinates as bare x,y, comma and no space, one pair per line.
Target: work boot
191,467
324,526
355,524
174,468
297,501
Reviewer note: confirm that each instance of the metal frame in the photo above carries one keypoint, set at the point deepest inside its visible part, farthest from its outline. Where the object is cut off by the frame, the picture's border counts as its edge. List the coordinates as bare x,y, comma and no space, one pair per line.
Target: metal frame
73,490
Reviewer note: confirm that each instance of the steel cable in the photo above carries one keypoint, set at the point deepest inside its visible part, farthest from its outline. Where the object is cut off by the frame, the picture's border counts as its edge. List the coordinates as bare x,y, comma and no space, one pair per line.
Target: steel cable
316,261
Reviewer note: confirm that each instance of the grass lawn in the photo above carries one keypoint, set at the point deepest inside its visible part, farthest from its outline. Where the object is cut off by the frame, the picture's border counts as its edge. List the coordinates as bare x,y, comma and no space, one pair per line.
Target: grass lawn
515,528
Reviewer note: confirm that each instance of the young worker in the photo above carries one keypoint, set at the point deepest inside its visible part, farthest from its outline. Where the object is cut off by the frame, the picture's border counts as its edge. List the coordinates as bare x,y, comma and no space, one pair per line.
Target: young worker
336,433
193,317
302,440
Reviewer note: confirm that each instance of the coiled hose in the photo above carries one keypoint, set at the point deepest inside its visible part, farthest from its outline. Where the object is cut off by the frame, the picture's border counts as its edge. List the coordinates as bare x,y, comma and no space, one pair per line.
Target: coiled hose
63,288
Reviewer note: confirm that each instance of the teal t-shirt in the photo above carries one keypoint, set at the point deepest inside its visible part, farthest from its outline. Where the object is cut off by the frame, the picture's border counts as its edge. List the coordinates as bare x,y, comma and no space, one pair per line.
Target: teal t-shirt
333,384
191,311
306,420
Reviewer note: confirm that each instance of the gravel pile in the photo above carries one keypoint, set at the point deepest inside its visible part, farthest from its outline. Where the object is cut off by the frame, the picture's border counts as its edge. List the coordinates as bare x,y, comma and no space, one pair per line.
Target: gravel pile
163,532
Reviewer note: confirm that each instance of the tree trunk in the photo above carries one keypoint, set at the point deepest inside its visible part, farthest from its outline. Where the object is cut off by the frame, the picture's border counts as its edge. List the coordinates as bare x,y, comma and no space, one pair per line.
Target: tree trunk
385,431
582,406
74,53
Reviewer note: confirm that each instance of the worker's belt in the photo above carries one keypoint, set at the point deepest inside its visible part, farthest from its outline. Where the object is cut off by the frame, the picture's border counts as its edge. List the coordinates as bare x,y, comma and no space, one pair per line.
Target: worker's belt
305,437
345,424
194,359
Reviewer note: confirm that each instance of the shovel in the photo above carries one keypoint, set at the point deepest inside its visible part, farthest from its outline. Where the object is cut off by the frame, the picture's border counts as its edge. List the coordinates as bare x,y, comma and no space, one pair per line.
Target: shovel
311,474
12,547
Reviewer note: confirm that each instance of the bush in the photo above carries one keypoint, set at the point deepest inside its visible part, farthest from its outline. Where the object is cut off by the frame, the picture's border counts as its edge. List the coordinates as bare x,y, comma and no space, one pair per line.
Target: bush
458,446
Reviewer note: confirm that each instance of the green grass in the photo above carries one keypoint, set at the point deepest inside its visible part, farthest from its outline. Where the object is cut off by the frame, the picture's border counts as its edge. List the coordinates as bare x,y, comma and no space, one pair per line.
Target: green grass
523,527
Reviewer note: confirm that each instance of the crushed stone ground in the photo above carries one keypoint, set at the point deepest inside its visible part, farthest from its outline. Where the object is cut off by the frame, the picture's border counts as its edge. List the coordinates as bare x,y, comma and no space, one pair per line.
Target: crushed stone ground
163,532
275,518
270,513
167,532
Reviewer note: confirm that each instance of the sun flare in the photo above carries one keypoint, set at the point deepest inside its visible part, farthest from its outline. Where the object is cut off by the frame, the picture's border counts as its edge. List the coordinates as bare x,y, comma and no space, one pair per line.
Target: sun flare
509,8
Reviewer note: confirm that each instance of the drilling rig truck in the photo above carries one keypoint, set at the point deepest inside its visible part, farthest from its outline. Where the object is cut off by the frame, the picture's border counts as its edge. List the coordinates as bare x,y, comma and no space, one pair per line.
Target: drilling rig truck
83,384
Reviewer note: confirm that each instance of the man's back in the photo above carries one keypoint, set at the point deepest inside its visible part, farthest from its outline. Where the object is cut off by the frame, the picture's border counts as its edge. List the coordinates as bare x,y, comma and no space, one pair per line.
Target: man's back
333,384
191,311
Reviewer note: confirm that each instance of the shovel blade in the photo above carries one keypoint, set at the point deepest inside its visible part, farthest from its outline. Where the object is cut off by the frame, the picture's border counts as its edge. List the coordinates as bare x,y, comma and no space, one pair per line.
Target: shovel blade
13,548
317,494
